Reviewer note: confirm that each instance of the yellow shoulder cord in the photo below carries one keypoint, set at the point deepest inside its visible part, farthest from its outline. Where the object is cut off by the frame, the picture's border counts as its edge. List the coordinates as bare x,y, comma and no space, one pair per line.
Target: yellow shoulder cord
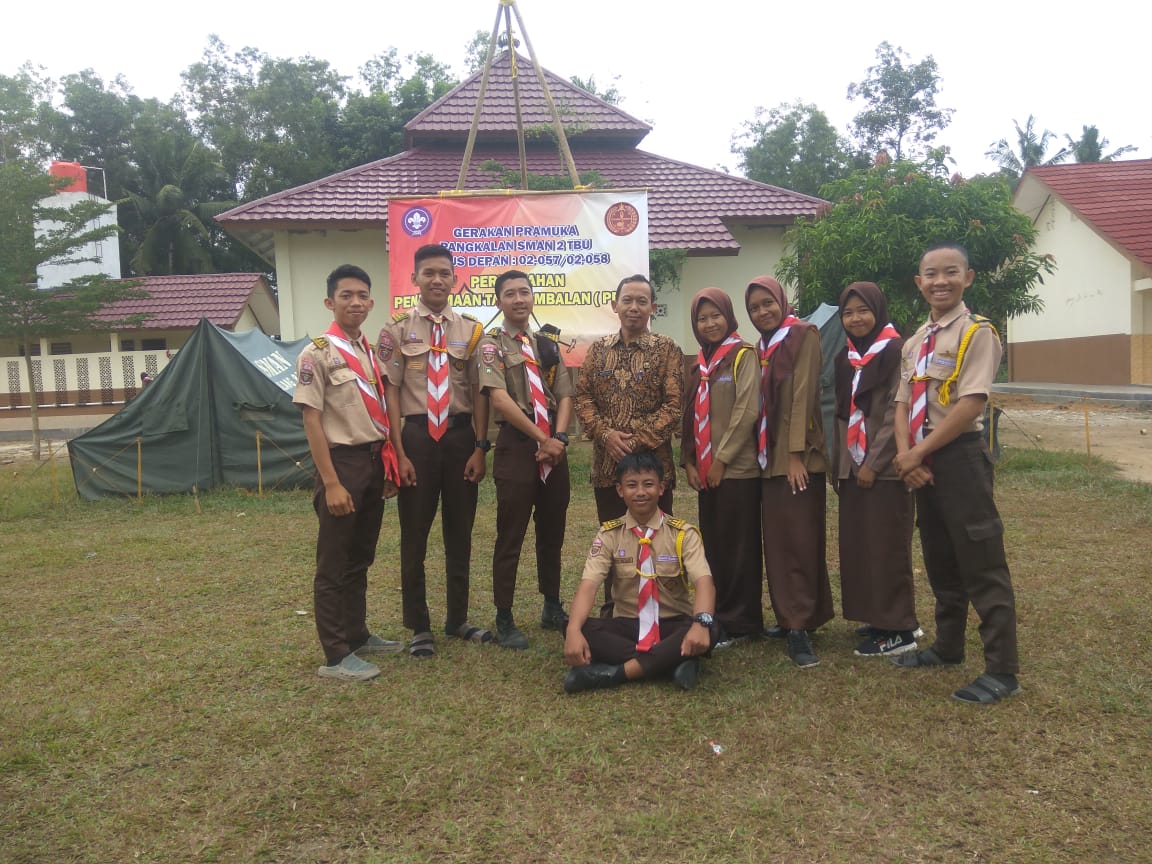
736,363
944,395
477,332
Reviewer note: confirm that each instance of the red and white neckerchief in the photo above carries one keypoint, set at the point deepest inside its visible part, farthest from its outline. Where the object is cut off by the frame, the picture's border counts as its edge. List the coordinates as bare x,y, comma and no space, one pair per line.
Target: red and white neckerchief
439,388
918,407
702,425
766,351
371,392
857,434
536,391
648,598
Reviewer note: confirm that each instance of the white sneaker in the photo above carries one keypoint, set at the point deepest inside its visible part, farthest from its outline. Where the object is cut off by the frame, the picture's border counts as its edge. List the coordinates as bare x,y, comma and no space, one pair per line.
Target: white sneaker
351,668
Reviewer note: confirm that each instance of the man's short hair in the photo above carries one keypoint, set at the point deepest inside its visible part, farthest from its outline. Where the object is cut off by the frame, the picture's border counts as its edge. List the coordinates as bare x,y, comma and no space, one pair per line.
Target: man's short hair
639,463
347,271
508,275
431,250
935,247
635,277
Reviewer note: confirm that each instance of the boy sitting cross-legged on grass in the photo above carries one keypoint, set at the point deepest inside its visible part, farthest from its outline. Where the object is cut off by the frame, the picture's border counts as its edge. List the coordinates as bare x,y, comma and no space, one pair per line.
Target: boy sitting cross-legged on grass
656,563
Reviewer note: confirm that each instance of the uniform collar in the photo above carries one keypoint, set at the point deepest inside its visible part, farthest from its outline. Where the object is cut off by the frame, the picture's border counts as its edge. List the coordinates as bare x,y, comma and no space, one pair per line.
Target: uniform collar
448,313
630,523
952,315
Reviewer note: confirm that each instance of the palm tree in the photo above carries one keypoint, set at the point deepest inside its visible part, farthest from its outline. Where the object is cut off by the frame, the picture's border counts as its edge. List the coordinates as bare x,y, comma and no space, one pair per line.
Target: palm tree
1031,150
1090,147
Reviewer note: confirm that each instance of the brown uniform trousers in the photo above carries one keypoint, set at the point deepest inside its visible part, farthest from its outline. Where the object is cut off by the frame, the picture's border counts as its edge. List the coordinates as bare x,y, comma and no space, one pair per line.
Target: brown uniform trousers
613,640
439,482
963,542
520,494
345,549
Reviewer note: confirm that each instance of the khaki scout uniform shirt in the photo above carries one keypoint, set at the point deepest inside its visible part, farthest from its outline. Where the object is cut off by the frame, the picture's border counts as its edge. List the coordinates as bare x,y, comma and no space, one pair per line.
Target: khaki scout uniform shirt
734,408
981,360
502,367
324,382
799,422
614,551
403,349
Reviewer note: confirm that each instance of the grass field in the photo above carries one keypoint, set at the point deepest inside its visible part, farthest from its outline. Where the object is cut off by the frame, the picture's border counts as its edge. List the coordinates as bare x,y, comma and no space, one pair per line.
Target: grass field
160,704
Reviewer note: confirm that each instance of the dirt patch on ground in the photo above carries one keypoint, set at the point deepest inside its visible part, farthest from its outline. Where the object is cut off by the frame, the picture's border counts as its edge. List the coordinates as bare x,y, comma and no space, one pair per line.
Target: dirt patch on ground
1121,435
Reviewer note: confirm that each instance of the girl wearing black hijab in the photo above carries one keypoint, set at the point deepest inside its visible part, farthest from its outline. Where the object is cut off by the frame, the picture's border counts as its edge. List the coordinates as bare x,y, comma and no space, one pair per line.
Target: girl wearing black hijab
718,454
876,510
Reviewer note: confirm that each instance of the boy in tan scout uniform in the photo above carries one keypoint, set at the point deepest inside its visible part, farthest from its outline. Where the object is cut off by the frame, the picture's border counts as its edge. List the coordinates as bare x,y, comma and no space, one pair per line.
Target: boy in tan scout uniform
339,391
442,445
946,375
531,391
657,563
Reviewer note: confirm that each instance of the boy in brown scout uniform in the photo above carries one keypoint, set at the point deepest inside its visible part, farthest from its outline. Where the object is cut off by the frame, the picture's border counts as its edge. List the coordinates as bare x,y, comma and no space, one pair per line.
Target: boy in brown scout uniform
432,384
340,393
656,562
531,392
946,376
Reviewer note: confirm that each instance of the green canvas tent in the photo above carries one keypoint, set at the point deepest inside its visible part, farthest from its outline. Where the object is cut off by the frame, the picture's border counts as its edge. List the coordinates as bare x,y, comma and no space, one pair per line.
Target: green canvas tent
827,318
196,425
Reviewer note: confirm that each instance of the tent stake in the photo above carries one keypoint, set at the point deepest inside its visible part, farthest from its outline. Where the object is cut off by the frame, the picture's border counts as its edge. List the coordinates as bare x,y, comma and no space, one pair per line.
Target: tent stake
259,468
139,470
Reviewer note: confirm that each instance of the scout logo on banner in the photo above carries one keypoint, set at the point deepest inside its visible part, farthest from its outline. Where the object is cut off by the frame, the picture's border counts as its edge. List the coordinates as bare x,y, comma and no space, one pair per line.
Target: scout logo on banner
574,246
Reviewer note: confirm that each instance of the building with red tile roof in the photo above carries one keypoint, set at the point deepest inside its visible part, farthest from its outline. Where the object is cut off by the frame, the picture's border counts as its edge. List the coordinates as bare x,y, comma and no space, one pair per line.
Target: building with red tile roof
1095,220
731,227
231,301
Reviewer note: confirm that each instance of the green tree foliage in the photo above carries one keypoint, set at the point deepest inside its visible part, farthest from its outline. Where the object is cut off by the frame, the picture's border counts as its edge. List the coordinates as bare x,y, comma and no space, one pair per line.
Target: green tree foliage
793,146
879,223
28,312
610,94
25,113
900,114
1090,147
1029,150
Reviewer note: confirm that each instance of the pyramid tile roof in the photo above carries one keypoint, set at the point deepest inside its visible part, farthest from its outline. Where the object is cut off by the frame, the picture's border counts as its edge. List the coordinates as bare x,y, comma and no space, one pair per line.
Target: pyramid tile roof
688,205
450,116
181,301
1115,197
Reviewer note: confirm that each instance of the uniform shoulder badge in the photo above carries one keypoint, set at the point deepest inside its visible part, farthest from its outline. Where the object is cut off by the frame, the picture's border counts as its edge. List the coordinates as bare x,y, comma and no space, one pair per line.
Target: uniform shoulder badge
610,524
469,317
495,331
320,341
399,316
676,521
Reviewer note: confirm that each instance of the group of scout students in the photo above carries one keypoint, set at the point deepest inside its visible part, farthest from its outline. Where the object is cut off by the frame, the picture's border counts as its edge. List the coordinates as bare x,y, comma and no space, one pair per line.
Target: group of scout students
410,418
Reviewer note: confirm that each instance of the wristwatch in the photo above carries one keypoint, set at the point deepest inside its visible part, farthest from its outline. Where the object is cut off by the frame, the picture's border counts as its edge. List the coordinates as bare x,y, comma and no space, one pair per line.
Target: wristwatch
483,444
704,618
562,437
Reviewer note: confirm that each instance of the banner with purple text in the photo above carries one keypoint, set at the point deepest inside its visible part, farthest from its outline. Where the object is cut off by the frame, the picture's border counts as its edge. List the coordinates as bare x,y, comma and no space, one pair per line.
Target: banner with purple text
574,246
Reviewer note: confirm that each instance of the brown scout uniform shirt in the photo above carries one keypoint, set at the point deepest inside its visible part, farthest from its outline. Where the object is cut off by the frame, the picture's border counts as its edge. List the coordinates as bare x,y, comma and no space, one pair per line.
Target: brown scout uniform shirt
324,382
403,349
634,388
614,550
799,423
501,367
878,426
981,360
734,397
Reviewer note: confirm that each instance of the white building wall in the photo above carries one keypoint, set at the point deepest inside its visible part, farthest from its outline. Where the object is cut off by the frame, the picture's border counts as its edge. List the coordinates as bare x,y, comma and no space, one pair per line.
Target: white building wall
106,252
1090,292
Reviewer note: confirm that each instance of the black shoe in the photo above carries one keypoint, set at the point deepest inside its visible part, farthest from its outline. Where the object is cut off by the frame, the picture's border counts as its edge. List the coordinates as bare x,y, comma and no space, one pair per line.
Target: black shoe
775,631
594,676
800,649
870,632
687,674
508,635
553,616
887,644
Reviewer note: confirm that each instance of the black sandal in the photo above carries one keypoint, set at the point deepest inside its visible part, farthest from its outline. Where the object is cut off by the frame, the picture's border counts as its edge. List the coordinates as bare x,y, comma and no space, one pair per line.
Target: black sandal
422,646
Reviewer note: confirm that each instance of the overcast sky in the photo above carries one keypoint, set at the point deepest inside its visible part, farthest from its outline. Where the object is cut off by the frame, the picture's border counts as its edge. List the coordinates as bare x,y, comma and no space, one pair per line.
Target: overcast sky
695,75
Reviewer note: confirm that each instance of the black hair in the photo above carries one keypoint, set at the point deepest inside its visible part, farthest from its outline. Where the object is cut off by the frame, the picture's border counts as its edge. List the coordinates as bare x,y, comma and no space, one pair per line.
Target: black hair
346,271
935,247
636,277
639,463
508,275
431,250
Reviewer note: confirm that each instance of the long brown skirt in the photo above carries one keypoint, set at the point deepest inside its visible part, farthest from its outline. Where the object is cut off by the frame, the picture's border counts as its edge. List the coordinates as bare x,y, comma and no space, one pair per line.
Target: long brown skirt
730,527
876,554
794,552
